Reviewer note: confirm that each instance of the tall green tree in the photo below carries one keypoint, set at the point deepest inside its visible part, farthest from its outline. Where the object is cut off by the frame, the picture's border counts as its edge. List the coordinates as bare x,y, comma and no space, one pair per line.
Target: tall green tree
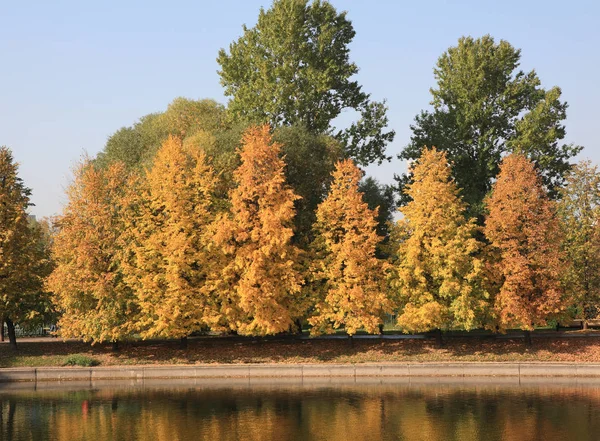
23,260
484,106
579,213
298,57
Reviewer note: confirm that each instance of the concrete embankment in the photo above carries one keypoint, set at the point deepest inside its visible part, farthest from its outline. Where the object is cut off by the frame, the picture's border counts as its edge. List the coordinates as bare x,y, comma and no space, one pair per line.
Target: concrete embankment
303,371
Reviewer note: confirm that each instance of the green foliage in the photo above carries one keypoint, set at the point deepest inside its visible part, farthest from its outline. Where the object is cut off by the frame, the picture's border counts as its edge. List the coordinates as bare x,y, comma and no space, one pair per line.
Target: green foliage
483,108
80,360
137,145
297,56
579,213
379,196
310,160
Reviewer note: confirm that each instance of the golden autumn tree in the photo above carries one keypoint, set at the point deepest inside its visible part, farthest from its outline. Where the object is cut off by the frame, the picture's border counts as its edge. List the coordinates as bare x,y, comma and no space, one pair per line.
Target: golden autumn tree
259,282
22,258
170,249
88,281
439,278
579,213
525,239
349,279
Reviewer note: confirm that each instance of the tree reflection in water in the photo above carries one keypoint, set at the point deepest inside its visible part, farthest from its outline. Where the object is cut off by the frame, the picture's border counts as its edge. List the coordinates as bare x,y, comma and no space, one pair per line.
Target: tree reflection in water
333,412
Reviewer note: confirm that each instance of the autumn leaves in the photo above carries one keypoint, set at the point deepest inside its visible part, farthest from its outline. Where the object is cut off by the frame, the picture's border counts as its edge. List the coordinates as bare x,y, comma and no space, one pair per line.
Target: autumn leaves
158,256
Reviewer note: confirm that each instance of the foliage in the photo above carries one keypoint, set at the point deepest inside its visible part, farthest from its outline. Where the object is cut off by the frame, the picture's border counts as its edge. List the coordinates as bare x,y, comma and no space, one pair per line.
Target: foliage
136,146
80,360
349,278
579,213
259,282
88,281
24,261
525,240
484,108
439,278
310,159
297,56
380,197
168,239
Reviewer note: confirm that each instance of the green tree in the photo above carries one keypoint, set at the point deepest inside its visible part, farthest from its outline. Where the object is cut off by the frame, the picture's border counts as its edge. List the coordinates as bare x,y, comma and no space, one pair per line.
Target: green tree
579,212
297,56
483,108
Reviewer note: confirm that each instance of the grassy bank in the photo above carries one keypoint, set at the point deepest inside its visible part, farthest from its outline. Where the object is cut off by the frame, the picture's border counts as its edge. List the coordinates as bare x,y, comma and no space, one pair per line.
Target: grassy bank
223,350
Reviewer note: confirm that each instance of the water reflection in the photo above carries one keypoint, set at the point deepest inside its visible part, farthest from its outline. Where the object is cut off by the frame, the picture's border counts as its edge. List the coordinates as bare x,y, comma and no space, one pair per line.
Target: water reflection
303,412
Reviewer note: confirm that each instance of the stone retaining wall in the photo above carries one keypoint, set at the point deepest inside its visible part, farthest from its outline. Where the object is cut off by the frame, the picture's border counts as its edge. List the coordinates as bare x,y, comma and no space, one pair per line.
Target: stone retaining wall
298,371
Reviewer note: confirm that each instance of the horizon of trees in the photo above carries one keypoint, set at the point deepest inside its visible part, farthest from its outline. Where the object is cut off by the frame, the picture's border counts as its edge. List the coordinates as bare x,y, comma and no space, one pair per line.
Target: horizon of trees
255,218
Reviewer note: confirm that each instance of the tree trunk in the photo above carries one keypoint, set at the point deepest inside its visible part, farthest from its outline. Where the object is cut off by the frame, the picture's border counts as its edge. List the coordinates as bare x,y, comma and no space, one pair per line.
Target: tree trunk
184,342
439,338
299,327
584,323
527,335
12,336
115,345
380,328
2,329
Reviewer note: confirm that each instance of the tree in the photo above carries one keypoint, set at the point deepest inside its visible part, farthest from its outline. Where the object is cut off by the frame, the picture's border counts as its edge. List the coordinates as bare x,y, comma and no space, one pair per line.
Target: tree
88,281
259,283
137,145
293,68
525,240
579,213
350,279
483,108
23,262
439,280
171,259
310,159
382,196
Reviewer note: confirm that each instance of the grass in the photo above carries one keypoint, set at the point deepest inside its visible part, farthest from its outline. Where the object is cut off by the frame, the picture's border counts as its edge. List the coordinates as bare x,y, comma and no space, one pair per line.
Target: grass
230,350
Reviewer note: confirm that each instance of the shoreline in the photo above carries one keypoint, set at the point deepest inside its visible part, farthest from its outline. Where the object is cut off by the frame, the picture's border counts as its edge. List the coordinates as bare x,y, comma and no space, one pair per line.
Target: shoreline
489,370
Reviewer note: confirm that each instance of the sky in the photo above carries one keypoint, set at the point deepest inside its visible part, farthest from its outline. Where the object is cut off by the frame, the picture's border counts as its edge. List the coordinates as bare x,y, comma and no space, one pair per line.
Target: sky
74,72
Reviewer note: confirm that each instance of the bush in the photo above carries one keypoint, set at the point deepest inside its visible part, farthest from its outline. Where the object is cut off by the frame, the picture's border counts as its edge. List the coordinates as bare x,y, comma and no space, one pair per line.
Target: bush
80,360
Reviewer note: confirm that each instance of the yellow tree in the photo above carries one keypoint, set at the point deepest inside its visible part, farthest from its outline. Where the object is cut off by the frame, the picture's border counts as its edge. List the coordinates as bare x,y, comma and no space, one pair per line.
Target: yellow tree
579,213
525,241
88,281
260,283
439,277
170,250
349,280
22,257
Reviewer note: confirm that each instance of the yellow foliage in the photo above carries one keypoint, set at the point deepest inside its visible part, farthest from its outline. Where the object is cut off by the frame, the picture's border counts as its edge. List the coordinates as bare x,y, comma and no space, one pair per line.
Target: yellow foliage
88,282
171,257
260,284
349,277
439,279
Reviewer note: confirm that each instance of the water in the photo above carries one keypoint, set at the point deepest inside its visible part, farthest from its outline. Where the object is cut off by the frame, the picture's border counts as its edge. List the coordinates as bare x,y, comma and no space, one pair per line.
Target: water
226,411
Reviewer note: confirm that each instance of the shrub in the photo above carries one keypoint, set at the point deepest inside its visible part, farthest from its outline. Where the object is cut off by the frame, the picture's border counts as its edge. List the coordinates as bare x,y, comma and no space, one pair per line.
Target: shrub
80,360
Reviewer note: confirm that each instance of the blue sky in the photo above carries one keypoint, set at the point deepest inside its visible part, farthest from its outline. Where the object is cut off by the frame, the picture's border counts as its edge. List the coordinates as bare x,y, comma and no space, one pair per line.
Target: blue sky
73,72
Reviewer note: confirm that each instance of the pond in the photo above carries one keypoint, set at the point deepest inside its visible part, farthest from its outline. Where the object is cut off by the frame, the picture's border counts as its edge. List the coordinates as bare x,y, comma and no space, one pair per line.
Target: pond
218,410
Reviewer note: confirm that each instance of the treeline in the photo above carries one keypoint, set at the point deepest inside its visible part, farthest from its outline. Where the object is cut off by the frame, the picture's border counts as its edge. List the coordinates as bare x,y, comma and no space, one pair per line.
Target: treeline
255,218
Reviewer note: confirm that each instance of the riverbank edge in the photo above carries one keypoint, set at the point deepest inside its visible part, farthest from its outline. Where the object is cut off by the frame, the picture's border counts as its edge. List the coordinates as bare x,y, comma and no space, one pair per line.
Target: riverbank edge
301,371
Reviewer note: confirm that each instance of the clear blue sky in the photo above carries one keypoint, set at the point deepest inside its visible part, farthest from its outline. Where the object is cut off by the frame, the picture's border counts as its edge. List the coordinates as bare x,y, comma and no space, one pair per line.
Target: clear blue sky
73,72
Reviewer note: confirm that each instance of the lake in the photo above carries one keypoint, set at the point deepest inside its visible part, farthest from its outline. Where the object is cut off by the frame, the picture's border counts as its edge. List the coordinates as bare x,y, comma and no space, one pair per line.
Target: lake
284,410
